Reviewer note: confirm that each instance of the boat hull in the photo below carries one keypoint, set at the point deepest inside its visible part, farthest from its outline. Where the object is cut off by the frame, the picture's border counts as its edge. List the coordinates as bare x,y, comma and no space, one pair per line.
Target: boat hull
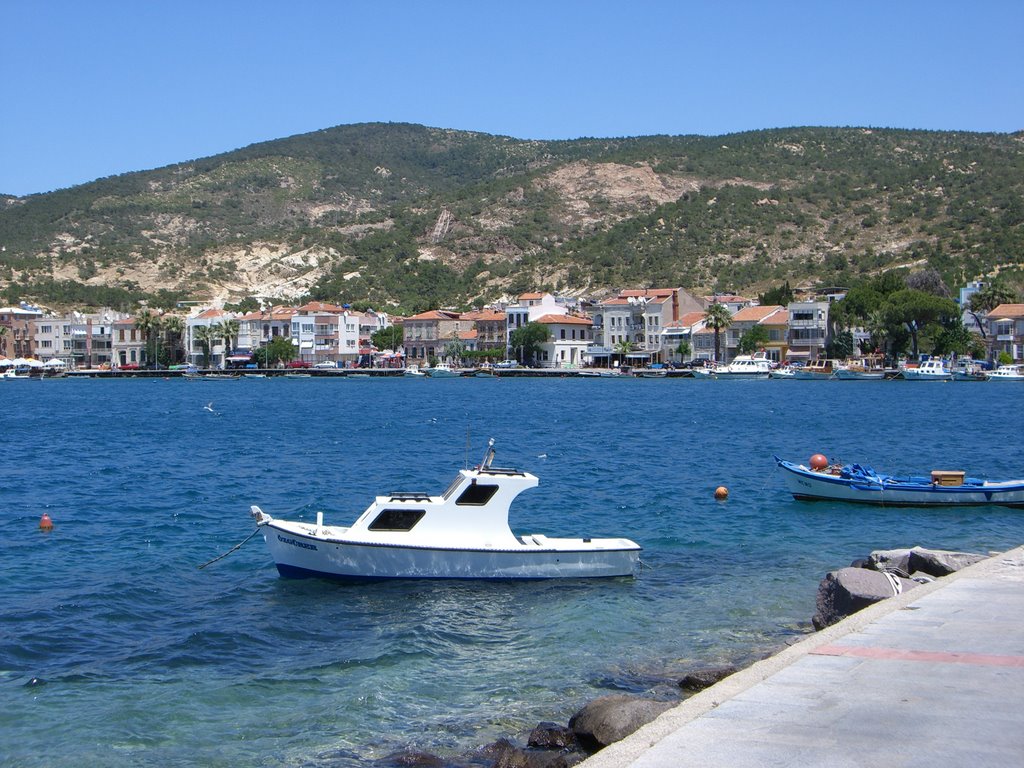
845,374
808,485
301,555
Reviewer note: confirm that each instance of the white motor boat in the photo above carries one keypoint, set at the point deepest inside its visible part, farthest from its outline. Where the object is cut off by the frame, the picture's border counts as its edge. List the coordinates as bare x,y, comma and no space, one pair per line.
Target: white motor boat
742,367
413,371
1007,373
933,369
461,534
442,371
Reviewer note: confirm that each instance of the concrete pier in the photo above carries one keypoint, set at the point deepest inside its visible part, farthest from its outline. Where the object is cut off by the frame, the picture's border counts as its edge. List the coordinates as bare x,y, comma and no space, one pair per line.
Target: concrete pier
934,676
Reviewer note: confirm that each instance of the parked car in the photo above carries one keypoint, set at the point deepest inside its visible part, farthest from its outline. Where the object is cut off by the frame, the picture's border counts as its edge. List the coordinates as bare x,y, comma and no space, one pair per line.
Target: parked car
326,364
507,364
299,364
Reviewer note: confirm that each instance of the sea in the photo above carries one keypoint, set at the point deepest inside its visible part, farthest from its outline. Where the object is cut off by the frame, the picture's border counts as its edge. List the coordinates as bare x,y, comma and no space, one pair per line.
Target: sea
118,649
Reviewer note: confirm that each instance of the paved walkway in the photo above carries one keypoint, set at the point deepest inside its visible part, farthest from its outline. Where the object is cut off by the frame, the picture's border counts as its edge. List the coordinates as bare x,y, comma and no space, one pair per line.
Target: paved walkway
932,677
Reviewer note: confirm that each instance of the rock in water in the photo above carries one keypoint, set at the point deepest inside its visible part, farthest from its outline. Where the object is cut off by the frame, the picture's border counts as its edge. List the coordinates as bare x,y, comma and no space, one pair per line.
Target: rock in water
705,678
848,590
551,736
610,718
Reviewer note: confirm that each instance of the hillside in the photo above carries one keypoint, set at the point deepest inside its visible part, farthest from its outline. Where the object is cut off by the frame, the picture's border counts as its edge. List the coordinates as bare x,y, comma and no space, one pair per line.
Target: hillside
411,217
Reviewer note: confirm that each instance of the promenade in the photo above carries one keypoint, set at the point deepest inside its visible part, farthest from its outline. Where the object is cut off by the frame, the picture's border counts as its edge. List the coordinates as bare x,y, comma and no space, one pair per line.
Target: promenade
934,676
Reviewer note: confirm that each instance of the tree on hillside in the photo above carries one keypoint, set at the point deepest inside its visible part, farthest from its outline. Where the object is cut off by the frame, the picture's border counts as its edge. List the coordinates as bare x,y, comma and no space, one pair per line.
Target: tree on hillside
782,295
527,341
928,281
718,318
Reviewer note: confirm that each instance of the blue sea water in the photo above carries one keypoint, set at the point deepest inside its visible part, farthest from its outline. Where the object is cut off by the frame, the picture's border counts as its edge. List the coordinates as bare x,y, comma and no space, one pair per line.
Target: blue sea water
117,650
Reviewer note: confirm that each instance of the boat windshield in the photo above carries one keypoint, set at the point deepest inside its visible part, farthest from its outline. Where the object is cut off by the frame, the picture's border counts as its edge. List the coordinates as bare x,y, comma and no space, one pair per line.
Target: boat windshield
451,488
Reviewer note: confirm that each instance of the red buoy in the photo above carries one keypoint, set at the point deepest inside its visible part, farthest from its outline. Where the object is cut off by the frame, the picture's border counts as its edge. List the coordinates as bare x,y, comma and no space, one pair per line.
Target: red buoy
818,462
45,523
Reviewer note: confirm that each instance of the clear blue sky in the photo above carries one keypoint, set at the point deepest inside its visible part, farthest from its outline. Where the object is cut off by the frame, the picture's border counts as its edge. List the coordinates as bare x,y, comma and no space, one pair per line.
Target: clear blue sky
92,88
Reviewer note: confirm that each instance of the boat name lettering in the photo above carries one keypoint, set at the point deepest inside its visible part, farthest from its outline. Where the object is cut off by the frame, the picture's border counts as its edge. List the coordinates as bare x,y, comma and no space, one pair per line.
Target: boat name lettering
295,542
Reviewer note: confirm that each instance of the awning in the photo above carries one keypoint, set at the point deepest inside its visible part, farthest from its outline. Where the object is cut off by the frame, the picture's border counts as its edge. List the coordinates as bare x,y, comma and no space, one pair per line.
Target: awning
239,358
797,353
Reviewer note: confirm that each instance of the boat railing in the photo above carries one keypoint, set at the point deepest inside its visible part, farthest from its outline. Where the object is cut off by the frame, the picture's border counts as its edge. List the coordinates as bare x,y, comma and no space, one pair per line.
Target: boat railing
409,496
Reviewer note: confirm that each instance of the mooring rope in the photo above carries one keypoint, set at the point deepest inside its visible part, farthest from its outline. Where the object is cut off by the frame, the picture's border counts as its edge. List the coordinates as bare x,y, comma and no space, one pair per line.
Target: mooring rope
233,549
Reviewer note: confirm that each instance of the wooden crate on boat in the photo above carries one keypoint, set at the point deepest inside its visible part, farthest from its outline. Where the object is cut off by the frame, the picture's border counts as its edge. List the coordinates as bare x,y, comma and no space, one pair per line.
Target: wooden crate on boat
947,477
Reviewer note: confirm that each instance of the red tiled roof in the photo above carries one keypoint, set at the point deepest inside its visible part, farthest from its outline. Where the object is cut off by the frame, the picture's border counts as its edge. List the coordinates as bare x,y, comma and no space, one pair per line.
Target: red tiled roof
757,314
563,320
468,335
1013,311
435,314
661,293
686,321
206,315
727,298
530,296
320,306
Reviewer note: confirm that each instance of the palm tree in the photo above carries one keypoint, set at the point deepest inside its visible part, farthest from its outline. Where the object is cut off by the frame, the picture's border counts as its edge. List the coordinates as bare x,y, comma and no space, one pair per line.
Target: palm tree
3,339
878,326
149,323
206,336
219,335
229,328
987,299
174,327
717,317
622,349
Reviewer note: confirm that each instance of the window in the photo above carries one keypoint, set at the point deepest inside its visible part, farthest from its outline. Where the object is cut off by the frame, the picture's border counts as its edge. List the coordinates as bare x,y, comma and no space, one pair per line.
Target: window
476,494
397,519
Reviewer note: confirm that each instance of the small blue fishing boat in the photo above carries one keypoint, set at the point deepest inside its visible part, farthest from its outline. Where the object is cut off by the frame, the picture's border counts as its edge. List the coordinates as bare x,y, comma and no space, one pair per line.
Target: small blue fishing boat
862,484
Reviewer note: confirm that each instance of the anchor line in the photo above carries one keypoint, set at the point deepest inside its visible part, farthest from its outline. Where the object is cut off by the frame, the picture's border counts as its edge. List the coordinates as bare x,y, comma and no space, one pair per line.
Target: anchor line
233,549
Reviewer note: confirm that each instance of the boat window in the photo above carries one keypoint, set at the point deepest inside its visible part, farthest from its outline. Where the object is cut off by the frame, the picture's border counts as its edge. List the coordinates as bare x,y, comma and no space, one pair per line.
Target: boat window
397,520
476,494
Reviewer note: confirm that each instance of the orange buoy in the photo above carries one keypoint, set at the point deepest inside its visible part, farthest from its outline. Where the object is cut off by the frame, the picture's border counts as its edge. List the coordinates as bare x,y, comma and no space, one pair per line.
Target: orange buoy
818,462
721,493
45,523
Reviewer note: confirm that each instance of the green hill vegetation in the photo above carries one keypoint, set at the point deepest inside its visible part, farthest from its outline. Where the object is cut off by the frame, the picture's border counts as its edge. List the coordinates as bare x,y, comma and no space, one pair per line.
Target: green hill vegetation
352,214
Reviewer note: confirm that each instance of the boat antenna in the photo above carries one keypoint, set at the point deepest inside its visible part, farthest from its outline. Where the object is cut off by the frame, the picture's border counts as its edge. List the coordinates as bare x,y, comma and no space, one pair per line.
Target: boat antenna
467,448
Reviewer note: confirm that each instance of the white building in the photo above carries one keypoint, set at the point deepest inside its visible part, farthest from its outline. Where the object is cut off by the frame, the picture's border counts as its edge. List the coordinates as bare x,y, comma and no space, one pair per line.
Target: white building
569,337
808,329
80,340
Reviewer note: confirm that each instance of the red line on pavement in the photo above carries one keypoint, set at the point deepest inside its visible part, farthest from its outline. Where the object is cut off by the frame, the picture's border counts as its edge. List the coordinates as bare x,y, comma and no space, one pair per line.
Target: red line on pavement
896,654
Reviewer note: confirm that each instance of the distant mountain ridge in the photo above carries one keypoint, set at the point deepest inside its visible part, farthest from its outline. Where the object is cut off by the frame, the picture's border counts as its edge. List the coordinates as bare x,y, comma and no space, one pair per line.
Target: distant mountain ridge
400,215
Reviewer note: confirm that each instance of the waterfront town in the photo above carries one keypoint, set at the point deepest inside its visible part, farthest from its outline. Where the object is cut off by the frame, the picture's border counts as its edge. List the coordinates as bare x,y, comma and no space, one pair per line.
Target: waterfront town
641,328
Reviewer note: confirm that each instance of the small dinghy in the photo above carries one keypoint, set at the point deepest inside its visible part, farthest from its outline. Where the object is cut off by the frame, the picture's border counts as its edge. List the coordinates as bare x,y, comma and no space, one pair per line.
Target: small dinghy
461,534
861,484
